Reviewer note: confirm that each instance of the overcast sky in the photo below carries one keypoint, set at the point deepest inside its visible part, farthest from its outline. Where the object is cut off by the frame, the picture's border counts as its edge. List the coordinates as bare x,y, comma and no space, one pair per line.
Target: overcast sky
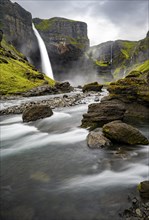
106,19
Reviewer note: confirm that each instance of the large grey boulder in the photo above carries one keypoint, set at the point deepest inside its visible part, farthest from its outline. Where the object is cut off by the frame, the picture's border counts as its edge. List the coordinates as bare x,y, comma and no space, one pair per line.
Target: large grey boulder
96,139
36,112
124,133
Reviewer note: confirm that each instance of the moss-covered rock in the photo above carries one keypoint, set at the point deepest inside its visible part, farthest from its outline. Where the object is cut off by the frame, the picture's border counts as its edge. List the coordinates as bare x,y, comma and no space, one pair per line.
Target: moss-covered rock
143,188
95,86
134,87
120,132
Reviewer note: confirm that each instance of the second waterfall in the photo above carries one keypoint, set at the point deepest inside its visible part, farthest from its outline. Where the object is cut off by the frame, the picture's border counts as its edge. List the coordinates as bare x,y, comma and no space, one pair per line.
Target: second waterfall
45,62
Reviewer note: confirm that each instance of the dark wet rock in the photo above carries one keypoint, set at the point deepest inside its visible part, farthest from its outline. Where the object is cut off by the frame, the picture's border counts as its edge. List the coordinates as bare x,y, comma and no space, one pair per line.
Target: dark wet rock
96,99
144,189
95,86
34,113
64,87
118,131
96,139
65,96
101,113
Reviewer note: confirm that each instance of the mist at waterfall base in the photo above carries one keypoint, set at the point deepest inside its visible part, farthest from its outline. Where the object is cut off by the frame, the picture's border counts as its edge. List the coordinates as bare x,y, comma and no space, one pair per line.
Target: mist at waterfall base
45,62
49,173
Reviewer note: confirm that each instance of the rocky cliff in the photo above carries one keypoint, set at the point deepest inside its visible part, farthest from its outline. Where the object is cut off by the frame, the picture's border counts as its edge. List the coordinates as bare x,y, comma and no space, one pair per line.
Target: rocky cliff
118,57
66,40
16,24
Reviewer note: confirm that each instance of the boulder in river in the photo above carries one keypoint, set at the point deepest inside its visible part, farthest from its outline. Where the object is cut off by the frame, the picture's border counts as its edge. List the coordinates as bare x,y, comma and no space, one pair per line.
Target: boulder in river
63,87
95,86
96,139
144,189
124,133
36,112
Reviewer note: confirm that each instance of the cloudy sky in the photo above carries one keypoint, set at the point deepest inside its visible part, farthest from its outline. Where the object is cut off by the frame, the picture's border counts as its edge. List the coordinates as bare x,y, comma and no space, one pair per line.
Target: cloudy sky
106,19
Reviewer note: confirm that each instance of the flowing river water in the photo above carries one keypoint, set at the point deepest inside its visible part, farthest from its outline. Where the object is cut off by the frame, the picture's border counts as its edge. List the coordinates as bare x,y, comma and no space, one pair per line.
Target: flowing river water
49,173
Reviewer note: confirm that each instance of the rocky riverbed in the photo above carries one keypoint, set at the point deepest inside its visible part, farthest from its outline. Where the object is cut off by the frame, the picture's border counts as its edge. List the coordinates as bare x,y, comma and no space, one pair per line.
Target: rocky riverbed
54,101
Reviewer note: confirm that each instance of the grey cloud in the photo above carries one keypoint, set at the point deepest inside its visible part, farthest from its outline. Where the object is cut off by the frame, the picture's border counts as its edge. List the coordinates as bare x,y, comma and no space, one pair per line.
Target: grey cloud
129,17
122,12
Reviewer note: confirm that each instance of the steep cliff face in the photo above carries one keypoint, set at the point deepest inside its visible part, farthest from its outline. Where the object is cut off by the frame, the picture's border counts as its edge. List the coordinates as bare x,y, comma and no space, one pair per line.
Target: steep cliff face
16,24
66,40
118,57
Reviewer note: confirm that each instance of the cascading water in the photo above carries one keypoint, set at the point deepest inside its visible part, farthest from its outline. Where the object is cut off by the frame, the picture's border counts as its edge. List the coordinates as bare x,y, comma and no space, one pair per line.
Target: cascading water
45,62
111,58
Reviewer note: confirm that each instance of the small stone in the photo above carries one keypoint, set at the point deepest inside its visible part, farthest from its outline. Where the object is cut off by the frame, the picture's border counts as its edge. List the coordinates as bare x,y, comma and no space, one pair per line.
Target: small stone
134,201
96,139
138,212
96,99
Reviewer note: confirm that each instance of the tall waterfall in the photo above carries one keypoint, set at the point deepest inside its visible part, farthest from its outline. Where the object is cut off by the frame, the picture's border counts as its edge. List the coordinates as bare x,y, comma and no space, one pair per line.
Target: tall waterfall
45,62
111,55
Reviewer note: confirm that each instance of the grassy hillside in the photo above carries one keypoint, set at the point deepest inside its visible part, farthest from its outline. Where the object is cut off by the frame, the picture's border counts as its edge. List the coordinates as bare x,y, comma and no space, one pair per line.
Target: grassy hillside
16,74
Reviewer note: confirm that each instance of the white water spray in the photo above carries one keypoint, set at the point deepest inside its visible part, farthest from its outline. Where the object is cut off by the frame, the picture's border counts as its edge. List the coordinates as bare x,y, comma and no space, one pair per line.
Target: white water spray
45,62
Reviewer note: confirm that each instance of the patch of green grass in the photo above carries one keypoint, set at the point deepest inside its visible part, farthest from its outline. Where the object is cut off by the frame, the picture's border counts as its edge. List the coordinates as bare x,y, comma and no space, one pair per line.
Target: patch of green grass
44,25
101,63
14,72
117,71
143,67
125,53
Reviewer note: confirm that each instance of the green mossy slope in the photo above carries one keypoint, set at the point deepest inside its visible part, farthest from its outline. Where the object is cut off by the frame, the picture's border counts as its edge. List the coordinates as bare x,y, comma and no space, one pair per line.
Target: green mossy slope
134,87
16,74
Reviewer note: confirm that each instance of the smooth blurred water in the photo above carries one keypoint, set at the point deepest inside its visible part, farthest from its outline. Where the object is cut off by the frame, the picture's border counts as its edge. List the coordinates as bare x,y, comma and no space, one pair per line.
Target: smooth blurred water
49,173
45,61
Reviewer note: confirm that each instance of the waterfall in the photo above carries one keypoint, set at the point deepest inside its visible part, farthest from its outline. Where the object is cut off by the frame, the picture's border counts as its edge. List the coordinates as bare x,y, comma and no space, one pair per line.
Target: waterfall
45,62
111,58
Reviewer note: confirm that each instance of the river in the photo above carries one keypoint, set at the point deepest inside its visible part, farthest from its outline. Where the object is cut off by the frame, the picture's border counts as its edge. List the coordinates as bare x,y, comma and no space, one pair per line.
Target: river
49,173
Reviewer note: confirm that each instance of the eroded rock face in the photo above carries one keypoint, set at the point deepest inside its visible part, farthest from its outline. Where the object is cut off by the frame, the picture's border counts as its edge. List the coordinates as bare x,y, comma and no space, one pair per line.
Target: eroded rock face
123,133
101,113
36,112
96,139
